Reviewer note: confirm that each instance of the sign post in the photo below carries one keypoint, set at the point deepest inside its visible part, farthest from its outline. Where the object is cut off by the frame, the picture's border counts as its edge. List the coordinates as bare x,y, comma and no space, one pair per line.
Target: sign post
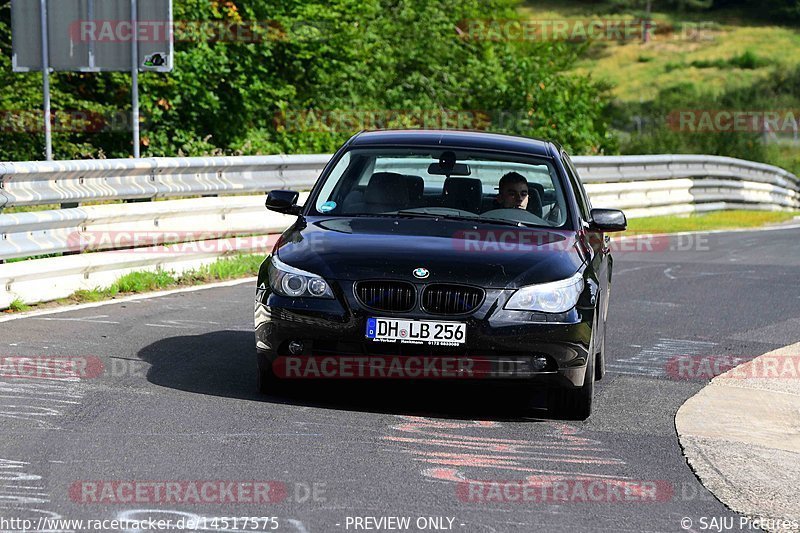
48,132
135,78
91,36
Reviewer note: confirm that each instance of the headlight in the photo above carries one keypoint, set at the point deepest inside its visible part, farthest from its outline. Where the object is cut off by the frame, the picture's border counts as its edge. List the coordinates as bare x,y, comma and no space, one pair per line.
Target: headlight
555,297
295,283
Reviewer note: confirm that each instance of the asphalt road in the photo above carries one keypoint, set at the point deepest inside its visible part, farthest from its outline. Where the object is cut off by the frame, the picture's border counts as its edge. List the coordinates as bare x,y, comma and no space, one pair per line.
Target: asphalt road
177,401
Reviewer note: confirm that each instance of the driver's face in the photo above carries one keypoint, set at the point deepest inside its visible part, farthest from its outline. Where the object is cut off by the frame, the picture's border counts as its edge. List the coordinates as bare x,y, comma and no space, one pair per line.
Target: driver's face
514,196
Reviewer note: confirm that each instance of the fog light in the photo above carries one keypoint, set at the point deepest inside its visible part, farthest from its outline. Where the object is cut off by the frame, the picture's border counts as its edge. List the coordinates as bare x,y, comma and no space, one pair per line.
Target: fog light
295,348
538,363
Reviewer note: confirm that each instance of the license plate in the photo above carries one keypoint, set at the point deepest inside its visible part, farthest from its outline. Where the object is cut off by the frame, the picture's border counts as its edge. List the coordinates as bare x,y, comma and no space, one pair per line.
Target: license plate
417,331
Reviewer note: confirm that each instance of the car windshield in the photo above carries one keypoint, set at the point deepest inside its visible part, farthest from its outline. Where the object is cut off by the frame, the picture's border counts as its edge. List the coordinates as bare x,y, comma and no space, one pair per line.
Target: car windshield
444,183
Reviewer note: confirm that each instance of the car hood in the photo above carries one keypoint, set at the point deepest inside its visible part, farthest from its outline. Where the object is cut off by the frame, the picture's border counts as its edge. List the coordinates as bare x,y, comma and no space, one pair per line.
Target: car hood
491,256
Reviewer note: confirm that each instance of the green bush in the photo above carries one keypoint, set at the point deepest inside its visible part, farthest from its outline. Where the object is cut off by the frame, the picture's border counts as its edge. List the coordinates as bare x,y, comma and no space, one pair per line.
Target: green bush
748,60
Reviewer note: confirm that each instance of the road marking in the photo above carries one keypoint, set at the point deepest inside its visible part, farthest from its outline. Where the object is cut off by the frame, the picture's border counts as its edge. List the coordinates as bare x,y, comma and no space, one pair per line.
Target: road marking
652,361
562,443
92,319
634,269
298,524
14,497
183,324
39,401
650,302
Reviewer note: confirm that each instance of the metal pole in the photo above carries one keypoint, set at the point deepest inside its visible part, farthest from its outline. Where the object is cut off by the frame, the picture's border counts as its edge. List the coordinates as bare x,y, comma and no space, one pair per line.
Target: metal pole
48,134
648,21
90,16
135,78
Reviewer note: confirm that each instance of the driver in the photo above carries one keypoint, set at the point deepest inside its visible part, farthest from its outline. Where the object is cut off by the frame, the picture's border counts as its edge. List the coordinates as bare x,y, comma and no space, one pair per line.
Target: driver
513,192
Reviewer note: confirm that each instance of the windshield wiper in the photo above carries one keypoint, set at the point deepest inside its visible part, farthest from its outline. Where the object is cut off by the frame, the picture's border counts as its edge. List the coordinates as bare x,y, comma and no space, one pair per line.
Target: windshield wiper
433,215
476,219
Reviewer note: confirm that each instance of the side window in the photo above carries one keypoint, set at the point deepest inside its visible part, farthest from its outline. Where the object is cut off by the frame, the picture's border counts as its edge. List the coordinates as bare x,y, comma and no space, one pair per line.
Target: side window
580,194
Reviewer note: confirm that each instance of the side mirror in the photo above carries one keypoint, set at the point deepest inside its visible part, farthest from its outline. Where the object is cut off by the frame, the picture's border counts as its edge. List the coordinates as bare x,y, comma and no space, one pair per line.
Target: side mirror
608,220
283,202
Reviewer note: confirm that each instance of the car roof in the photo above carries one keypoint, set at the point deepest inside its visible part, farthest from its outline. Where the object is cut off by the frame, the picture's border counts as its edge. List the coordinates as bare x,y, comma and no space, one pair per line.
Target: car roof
453,138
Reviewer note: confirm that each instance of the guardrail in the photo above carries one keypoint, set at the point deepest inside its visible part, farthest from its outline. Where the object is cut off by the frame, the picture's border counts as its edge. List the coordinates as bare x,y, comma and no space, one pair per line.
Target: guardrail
181,234
59,182
674,184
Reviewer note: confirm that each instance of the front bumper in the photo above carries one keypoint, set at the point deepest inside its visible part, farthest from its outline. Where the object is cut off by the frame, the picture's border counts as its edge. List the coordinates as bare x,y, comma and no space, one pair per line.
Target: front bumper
502,344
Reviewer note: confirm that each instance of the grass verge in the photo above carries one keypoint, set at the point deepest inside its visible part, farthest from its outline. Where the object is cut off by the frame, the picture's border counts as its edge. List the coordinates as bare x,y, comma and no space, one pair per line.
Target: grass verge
239,266
710,221
18,305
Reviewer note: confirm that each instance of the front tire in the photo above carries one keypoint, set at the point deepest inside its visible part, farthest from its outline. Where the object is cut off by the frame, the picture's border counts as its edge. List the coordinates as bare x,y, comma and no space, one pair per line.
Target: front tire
575,404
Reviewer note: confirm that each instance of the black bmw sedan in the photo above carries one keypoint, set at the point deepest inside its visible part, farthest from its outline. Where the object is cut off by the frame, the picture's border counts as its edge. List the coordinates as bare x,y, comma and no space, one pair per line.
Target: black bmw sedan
443,255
